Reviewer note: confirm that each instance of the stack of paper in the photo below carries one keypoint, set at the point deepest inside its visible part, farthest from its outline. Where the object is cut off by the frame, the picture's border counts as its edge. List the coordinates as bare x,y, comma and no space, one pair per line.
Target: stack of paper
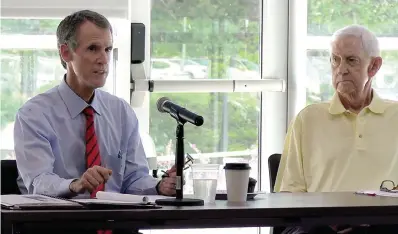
378,193
112,197
105,200
35,201
128,197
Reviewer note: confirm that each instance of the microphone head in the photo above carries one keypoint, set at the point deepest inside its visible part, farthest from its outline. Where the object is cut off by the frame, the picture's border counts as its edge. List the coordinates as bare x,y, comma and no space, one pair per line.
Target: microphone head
161,101
199,121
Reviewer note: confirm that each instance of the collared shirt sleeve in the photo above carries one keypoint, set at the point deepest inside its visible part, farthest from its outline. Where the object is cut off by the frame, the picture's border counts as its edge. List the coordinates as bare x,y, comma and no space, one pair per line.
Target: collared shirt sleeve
34,154
290,176
137,179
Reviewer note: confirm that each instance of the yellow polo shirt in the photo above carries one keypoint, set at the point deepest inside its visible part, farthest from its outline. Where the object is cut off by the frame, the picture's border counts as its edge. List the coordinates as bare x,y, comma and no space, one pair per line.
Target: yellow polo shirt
329,149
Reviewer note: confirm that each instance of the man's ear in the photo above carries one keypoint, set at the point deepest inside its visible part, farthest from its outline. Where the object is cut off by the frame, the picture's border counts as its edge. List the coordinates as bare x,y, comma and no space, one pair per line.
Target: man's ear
374,66
65,52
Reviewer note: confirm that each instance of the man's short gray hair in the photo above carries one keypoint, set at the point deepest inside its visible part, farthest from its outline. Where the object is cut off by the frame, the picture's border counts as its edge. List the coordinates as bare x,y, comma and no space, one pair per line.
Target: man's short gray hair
68,28
370,43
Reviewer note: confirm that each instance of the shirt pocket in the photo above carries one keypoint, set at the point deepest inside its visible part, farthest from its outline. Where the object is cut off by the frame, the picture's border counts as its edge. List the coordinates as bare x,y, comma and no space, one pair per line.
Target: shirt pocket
116,162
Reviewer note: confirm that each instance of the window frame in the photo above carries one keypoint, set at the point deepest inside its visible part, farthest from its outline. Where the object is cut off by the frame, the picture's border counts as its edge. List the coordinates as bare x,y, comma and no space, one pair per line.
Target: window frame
274,63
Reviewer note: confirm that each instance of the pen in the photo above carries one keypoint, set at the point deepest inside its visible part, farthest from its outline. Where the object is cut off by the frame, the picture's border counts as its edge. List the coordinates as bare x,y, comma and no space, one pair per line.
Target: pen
190,159
366,194
165,174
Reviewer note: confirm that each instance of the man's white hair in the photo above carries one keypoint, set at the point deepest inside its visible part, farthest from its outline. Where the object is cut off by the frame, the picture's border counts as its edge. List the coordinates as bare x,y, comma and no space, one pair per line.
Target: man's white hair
370,43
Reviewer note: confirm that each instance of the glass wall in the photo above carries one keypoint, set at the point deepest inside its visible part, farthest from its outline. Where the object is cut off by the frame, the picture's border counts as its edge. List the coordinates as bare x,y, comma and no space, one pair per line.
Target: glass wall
208,40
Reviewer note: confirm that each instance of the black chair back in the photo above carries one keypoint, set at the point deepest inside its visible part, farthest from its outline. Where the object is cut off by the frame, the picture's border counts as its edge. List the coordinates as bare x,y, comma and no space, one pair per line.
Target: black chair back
9,175
273,165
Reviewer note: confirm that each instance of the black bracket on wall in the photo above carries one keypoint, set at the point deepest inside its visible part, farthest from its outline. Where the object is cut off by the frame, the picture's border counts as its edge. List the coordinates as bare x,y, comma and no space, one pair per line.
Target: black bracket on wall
137,43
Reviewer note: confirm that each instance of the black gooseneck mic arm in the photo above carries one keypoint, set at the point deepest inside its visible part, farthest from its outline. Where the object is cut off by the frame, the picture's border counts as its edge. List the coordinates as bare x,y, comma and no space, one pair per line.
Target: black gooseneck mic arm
179,200
180,159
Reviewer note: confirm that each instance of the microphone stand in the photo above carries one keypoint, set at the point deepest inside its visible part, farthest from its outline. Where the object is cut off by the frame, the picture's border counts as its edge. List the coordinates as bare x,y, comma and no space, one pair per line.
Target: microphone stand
179,200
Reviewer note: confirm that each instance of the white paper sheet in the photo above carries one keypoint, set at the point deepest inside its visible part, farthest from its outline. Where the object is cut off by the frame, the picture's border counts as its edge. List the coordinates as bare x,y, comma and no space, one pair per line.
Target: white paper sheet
111,196
101,201
32,199
377,193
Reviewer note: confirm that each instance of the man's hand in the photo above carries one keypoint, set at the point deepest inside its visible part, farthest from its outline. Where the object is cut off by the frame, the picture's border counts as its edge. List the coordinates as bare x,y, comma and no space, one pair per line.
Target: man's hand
90,180
167,186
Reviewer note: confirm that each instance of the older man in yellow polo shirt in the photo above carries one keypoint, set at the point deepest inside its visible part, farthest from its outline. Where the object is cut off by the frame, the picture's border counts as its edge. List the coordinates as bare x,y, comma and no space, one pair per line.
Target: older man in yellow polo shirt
351,142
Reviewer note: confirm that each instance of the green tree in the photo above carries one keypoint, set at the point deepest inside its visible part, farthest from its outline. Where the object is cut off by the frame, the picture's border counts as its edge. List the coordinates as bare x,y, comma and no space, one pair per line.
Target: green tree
10,100
326,16
29,26
10,96
19,79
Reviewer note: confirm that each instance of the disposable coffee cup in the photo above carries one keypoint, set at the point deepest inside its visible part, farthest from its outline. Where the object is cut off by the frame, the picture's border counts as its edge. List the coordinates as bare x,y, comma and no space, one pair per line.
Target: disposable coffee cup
237,178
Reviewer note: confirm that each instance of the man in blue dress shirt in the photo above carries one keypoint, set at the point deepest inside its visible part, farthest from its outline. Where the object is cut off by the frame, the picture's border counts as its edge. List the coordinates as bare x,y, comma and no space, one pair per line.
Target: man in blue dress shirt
50,128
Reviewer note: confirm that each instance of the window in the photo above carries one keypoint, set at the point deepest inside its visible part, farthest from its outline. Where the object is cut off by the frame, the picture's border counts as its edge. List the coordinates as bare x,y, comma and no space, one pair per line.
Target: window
208,40
214,41
30,65
159,65
216,37
167,69
325,17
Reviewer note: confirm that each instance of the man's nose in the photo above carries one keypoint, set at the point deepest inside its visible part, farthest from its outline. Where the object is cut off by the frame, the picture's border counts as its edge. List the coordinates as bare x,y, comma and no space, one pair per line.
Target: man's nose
103,57
342,68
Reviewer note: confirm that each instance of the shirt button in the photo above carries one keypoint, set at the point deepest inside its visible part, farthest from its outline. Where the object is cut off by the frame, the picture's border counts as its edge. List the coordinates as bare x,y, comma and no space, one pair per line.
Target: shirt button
360,136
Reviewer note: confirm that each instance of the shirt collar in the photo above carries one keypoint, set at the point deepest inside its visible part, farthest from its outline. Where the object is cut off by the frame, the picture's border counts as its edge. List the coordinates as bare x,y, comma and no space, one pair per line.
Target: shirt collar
74,103
377,105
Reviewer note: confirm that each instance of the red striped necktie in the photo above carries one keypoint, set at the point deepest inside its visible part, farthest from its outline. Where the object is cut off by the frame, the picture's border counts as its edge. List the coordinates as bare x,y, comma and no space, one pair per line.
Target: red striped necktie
93,156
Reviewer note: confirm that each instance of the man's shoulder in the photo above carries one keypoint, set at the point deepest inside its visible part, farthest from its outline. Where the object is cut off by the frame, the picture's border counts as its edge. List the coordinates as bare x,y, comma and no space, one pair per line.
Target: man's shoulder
110,100
313,114
119,109
40,103
114,103
315,109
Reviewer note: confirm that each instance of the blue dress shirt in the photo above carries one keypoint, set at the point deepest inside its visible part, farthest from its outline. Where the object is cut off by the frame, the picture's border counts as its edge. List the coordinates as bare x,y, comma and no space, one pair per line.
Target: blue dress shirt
50,145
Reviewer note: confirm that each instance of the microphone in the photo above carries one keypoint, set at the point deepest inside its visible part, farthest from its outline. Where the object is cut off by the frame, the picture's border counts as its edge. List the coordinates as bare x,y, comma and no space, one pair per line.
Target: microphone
164,104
